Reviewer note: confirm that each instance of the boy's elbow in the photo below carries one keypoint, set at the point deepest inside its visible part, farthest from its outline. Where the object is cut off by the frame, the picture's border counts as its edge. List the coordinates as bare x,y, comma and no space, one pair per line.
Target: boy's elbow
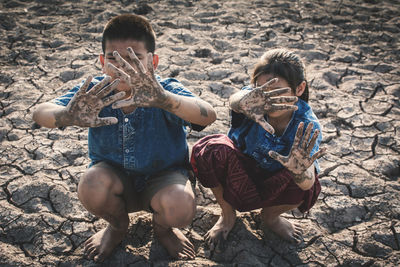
41,115
36,115
210,118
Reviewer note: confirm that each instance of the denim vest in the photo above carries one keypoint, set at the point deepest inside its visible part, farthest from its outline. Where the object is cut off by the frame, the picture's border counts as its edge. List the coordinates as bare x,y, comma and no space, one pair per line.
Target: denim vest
144,142
256,142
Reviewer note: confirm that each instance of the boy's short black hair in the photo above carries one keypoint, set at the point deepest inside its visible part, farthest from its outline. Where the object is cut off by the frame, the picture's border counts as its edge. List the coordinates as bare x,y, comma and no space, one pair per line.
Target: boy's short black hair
129,26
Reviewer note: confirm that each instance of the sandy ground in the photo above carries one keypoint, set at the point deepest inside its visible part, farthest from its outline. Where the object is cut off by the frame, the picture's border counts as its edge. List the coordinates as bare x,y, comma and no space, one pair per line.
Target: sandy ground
352,53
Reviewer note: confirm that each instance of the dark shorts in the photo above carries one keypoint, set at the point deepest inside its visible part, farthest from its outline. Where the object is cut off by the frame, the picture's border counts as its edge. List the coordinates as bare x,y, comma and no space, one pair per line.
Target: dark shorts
216,161
154,184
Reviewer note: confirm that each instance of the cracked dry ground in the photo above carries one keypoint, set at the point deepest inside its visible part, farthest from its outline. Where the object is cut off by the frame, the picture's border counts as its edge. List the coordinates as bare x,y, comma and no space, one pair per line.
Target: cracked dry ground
351,49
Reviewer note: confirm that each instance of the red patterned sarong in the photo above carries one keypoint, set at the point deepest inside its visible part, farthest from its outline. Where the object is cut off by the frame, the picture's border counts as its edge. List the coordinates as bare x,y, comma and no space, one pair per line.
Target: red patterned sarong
216,160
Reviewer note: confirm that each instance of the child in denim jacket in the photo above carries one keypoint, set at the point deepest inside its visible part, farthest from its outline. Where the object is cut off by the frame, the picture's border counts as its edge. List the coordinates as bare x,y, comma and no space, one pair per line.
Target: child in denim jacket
137,139
267,160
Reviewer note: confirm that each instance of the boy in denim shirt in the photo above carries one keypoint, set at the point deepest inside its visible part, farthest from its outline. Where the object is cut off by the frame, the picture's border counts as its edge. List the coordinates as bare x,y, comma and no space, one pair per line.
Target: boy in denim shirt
137,145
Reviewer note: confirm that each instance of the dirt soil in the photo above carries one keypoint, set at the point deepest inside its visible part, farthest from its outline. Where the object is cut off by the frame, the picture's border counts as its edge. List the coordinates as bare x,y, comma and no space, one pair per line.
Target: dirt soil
352,53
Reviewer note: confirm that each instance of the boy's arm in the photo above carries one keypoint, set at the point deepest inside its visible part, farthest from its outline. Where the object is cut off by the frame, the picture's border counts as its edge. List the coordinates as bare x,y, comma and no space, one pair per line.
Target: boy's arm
256,103
82,110
190,109
148,92
45,114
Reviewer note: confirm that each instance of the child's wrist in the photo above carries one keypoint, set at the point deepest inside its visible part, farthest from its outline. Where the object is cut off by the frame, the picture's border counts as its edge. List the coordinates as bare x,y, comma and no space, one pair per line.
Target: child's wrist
62,118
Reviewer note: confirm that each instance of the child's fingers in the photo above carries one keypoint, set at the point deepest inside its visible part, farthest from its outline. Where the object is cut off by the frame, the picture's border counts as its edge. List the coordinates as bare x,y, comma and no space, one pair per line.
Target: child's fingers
113,98
84,86
207,237
150,66
276,156
266,85
276,107
136,61
108,89
105,121
124,64
282,99
119,73
221,243
312,141
318,154
298,135
307,135
263,123
123,103
99,85
277,92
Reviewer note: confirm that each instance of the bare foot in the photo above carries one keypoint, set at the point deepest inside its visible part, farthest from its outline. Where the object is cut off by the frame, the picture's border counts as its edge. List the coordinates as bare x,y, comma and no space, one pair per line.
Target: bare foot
217,235
176,243
101,244
285,229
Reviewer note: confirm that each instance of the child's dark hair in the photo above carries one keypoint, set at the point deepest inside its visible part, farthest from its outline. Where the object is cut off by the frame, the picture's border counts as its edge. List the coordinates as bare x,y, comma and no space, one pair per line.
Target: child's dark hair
284,64
129,26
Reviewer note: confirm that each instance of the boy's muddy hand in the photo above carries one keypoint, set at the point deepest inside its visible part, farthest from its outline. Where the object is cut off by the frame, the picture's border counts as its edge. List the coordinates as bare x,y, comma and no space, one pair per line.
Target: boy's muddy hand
146,90
259,101
299,160
84,108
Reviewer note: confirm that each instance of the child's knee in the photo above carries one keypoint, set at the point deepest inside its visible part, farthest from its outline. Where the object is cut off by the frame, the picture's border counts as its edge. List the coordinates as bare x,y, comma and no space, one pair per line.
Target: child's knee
178,207
94,188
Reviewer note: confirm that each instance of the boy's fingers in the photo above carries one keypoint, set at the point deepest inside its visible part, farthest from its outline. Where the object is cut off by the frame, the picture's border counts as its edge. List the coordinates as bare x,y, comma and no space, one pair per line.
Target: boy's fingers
136,60
108,89
119,73
150,67
106,121
307,135
85,86
277,92
122,103
113,98
124,64
98,87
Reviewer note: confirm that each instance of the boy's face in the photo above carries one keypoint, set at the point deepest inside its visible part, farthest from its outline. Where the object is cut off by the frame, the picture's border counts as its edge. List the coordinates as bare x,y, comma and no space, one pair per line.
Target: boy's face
263,78
121,47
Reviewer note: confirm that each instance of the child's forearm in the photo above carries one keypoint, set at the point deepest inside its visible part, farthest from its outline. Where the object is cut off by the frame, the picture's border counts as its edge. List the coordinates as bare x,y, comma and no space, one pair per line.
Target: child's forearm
305,180
234,100
191,109
46,115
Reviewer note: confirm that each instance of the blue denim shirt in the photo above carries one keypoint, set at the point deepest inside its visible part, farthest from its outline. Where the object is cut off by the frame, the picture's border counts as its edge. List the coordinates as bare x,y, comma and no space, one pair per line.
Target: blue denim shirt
254,141
144,142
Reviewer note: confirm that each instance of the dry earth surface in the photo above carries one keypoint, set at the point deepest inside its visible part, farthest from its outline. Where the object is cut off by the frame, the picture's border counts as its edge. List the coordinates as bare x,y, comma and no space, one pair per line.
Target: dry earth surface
352,53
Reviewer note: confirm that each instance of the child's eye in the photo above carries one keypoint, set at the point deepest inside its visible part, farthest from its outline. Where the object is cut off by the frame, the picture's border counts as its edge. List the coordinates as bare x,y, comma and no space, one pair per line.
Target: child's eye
111,58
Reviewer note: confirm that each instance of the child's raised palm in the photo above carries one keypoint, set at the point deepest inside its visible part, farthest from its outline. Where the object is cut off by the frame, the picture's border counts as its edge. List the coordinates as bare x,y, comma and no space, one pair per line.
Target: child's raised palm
84,108
146,90
259,101
299,160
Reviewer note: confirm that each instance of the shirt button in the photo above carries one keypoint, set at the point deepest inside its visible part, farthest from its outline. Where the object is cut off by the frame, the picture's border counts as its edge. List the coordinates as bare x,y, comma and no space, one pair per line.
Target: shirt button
126,119
127,150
